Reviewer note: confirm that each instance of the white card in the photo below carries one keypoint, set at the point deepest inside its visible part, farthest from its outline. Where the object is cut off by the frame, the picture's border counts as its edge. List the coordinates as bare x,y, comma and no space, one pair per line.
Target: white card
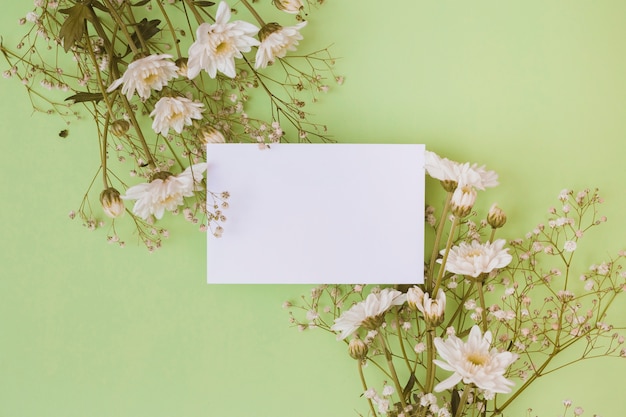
318,213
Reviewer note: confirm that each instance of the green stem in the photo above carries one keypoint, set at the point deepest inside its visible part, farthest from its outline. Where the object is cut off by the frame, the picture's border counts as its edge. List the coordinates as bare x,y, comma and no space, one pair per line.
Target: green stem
392,369
253,12
369,400
169,24
430,370
401,341
481,296
463,400
435,252
449,243
195,11
118,19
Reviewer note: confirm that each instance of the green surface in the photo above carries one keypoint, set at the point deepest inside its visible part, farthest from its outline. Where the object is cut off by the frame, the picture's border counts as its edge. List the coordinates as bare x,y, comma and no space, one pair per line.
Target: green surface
535,90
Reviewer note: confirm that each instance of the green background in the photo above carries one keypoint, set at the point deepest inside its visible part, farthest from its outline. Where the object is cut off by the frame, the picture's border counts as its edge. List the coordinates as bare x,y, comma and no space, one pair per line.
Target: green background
534,89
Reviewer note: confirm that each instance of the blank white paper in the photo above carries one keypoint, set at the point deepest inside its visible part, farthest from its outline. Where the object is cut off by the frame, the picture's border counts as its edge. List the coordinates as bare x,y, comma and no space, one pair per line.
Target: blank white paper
318,213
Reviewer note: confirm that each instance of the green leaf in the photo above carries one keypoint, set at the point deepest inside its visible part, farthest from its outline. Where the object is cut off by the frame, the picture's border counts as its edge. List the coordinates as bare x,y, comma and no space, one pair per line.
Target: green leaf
147,29
203,3
84,97
73,28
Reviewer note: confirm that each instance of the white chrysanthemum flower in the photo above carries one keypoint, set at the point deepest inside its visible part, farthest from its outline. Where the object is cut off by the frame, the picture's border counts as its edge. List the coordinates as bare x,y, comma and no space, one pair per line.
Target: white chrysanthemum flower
217,45
444,169
276,43
289,6
368,313
145,74
473,362
476,258
175,113
433,309
165,192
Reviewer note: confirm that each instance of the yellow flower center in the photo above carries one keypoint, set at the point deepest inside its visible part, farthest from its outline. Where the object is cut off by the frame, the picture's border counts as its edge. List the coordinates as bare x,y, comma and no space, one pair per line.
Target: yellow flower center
477,359
222,48
151,78
474,253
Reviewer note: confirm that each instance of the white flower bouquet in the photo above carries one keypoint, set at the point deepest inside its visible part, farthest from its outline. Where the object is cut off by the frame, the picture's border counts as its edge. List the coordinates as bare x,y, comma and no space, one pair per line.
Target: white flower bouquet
491,316
161,79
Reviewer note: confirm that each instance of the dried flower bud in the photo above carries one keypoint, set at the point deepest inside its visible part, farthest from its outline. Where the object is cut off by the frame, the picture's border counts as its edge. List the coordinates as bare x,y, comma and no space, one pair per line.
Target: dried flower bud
112,204
120,127
357,349
288,6
181,64
463,200
268,29
209,134
449,185
496,217
160,175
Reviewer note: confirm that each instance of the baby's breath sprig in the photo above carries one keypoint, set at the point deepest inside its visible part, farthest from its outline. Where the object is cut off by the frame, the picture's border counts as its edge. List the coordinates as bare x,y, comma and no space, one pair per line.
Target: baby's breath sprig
490,318
161,79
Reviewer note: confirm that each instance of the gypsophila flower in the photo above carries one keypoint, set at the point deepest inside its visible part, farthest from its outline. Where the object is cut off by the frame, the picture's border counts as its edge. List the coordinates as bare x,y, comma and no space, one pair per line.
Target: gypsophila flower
368,313
217,45
276,41
569,246
175,113
146,74
474,362
165,192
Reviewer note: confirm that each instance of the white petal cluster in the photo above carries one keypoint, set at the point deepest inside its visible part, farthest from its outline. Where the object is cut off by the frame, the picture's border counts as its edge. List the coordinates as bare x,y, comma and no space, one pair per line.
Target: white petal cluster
444,169
277,44
218,44
373,306
432,309
175,113
474,258
146,74
154,197
473,362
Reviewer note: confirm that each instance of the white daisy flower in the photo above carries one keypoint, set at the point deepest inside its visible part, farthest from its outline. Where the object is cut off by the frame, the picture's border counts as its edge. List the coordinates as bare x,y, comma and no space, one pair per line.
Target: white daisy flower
145,74
444,169
175,113
276,41
368,313
165,192
217,45
473,362
476,258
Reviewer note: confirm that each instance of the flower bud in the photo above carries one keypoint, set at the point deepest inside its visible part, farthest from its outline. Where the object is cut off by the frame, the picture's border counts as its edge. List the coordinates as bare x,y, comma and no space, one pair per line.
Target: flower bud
120,127
181,64
357,349
160,175
434,309
415,297
288,6
463,200
268,29
209,134
112,204
496,217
